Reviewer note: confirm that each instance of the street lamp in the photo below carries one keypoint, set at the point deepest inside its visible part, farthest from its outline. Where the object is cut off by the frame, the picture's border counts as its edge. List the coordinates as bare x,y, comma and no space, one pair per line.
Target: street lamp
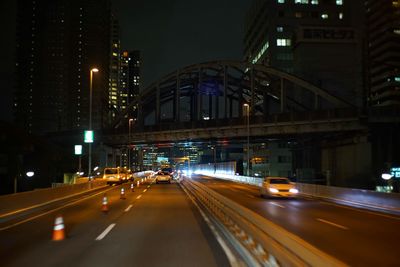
129,144
247,107
214,149
90,117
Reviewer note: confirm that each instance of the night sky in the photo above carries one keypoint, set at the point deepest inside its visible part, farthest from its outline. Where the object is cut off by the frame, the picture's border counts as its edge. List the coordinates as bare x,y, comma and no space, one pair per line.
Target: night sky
170,34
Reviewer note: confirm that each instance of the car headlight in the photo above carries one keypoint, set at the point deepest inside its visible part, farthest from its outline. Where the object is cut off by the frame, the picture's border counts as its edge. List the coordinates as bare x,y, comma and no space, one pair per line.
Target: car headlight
293,190
273,190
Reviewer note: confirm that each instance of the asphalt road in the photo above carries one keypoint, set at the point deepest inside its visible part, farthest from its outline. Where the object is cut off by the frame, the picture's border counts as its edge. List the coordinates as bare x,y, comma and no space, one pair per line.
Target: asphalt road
157,225
355,236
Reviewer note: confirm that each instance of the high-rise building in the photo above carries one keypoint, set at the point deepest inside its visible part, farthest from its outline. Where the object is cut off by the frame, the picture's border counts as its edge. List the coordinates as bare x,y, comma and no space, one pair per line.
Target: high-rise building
134,73
319,41
58,42
134,79
129,80
123,82
115,68
383,37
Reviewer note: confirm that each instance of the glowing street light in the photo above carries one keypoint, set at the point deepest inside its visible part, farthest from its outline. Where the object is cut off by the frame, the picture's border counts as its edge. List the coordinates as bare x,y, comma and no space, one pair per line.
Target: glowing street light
90,117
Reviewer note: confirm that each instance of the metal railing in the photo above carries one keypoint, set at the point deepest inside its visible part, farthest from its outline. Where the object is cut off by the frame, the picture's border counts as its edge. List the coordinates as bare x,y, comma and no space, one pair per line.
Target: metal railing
267,243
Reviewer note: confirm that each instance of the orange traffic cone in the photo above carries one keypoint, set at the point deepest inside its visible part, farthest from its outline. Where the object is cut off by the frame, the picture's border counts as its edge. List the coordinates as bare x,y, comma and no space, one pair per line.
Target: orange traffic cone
122,196
58,230
104,206
138,183
132,188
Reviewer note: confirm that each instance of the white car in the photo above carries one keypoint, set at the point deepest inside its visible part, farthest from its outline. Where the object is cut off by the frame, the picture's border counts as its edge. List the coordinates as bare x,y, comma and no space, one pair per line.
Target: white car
278,187
163,177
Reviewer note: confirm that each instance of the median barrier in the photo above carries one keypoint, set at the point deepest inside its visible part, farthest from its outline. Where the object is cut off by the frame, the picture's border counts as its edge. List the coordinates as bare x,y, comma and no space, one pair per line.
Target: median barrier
358,197
15,203
347,196
266,243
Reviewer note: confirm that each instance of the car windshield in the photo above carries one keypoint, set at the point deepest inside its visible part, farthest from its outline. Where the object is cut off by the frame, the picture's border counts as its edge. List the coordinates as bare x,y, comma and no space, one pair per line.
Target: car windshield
111,171
279,181
168,170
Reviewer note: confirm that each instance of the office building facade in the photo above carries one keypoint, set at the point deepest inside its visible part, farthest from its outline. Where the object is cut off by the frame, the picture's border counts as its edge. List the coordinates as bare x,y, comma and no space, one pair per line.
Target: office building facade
115,68
383,38
319,41
58,42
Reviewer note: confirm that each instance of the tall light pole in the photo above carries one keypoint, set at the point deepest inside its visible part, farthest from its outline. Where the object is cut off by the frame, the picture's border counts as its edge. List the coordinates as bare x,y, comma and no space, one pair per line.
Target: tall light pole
214,149
90,117
247,107
129,144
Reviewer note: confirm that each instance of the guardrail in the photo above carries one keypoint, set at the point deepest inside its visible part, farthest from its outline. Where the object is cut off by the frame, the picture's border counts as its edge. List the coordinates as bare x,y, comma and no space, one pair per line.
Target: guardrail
267,243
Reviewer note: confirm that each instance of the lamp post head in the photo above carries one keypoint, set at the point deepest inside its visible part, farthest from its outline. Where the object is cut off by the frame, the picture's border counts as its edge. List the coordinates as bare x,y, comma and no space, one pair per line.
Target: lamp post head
94,70
246,105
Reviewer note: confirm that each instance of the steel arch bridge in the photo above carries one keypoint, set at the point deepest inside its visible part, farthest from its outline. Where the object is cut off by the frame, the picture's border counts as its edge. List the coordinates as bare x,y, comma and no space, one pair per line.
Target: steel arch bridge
213,92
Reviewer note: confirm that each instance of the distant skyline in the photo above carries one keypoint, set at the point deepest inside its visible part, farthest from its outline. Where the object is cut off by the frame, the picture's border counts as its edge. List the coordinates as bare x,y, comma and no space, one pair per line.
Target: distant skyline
177,33
169,34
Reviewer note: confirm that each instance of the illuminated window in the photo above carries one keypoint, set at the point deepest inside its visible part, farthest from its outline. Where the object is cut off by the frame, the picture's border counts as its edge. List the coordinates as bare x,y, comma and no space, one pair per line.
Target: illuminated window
339,2
279,29
314,2
324,16
340,15
281,1
283,42
301,1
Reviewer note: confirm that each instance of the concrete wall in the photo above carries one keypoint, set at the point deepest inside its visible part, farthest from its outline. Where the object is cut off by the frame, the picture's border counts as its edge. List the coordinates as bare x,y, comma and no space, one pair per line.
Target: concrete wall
348,164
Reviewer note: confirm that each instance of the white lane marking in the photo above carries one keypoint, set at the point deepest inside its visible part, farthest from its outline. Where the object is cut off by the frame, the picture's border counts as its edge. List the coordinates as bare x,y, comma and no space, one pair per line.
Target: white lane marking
333,224
139,196
41,204
144,191
276,204
229,254
148,186
361,210
128,208
250,196
53,210
108,229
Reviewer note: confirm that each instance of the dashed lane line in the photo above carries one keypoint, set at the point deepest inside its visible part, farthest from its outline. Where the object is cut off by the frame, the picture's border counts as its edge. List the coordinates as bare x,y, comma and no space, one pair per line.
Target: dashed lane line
333,224
105,232
139,196
276,204
128,208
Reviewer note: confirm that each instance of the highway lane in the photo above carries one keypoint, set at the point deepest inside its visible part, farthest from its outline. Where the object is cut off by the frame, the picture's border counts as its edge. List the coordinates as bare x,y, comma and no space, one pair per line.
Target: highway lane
355,236
156,225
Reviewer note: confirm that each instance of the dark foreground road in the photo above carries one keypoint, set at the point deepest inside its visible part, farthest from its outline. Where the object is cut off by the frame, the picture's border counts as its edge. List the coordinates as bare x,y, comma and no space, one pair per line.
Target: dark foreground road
355,236
157,225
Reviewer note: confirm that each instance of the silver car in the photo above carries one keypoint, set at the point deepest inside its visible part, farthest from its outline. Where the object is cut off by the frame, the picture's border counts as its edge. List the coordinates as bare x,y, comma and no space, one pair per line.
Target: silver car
163,177
278,187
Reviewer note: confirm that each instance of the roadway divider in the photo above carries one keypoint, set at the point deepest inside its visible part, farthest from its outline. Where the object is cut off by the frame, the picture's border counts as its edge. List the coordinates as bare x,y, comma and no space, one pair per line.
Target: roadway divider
267,243
369,199
20,202
354,197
